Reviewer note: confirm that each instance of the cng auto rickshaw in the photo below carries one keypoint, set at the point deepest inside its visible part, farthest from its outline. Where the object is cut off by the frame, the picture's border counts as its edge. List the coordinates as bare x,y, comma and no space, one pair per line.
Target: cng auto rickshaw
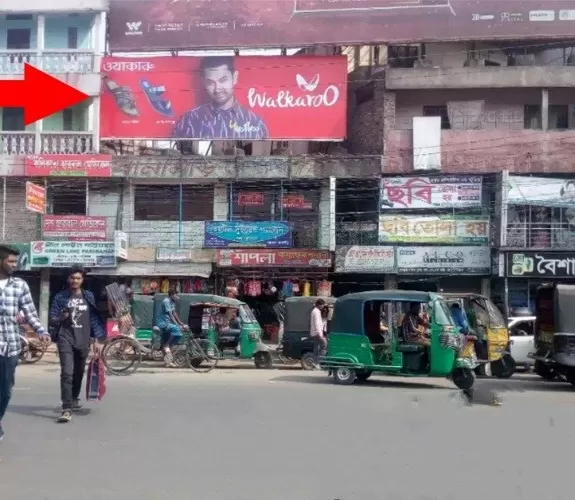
554,337
296,342
367,335
489,326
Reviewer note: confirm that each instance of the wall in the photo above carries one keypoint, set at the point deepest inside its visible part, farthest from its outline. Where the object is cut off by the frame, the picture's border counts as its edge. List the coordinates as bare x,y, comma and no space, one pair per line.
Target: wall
365,119
104,201
21,224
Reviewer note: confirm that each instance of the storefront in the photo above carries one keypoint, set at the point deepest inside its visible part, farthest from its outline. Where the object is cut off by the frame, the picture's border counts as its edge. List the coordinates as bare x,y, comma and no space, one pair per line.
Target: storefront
258,276
526,271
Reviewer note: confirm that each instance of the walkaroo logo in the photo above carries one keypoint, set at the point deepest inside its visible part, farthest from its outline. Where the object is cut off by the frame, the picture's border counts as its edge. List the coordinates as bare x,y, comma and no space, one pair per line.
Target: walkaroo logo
134,28
285,99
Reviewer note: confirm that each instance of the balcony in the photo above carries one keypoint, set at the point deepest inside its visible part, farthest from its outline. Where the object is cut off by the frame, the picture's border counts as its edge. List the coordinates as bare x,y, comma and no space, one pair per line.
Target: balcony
487,77
540,236
23,143
489,151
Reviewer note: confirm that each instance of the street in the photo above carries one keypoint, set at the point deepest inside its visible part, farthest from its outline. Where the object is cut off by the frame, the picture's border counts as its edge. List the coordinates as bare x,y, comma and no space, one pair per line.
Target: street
240,433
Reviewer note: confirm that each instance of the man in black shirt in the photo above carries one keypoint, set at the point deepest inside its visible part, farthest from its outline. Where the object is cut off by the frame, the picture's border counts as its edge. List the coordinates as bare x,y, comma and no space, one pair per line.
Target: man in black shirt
76,321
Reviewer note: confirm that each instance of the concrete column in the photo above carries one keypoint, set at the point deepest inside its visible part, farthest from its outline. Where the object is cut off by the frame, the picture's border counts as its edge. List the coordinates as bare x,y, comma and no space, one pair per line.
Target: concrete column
388,123
221,203
390,282
94,122
326,227
486,287
502,200
544,110
44,301
40,44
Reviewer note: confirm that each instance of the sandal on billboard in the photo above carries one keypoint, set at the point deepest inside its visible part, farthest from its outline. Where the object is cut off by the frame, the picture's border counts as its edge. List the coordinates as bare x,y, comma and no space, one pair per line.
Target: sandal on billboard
154,94
124,97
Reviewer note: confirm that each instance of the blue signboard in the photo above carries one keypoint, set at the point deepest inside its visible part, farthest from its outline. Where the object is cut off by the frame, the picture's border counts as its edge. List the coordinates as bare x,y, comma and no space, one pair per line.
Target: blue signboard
228,234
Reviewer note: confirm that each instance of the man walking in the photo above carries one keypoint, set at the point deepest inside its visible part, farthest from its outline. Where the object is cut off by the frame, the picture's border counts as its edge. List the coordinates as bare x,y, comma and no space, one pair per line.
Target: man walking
76,321
316,331
14,297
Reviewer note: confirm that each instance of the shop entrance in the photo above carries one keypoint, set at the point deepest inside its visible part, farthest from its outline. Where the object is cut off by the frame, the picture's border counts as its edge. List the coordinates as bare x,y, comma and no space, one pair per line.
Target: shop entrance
418,285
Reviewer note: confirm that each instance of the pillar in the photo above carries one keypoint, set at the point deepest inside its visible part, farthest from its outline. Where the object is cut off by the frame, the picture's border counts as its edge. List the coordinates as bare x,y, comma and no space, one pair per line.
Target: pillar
390,282
544,110
44,301
40,44
221,202
326,215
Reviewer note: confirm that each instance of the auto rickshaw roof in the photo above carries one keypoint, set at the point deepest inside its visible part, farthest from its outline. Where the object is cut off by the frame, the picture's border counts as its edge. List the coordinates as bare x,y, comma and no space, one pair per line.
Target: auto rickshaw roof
389,295
205,298
466,295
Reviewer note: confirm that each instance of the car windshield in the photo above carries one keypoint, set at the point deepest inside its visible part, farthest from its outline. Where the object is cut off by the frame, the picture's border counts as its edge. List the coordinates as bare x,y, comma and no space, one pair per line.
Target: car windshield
442,313
246,314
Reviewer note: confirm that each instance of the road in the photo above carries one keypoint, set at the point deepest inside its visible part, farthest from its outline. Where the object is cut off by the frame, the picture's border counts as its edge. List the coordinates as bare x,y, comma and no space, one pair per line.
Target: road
239,434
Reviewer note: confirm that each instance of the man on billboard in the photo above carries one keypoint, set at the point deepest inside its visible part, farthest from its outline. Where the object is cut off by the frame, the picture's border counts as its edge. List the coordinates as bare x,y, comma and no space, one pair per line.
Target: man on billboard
223,117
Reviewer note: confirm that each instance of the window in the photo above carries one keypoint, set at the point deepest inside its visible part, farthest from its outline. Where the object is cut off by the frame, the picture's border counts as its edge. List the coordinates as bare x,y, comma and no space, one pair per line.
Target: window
66,199
72,37
522,329
13,119
18,39
558,117
161,203
440,111
68,119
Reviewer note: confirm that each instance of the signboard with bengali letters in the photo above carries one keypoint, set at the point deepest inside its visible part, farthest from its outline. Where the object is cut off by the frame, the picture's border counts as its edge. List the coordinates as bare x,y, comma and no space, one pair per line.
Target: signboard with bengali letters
448,260
541,264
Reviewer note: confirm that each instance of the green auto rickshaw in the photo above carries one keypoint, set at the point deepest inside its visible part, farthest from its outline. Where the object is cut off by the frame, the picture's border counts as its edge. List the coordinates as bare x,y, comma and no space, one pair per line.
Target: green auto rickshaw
367,336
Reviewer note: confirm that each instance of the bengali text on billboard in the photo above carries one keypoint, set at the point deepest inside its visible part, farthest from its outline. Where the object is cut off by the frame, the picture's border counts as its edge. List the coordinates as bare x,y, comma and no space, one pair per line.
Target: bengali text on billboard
181,24
224,97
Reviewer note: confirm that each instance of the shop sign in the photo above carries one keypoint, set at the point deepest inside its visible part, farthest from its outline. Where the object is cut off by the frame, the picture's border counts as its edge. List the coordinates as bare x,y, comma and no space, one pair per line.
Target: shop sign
68,165
247,199
443,260
35,198
541,265
74,227
68,253
542,191
121,244
24,257
456,191
295,201
365,259
457,229
274,258
226,234
173,255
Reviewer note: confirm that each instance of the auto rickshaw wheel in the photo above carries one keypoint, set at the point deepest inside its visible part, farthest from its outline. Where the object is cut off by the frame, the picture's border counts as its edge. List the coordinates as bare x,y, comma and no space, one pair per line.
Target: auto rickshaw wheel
463,378
504,367
544,371
308,361
263,360
344,375
363,375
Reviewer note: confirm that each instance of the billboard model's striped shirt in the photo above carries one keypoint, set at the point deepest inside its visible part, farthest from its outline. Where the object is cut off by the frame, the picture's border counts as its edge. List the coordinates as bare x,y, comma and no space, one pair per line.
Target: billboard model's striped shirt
209,122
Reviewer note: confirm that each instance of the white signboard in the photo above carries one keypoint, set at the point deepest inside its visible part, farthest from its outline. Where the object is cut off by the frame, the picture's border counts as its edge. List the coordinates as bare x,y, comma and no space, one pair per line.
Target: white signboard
365,259
543,191
427,143
443,260
68,253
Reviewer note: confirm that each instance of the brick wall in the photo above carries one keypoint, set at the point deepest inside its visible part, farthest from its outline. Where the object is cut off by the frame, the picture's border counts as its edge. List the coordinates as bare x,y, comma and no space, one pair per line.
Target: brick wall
21,224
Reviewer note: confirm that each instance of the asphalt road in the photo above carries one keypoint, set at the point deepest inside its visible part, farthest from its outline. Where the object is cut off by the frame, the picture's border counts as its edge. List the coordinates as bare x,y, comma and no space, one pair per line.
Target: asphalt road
285,434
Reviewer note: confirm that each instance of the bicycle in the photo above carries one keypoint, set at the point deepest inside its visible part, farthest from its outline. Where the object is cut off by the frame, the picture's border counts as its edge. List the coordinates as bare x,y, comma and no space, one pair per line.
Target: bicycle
31,351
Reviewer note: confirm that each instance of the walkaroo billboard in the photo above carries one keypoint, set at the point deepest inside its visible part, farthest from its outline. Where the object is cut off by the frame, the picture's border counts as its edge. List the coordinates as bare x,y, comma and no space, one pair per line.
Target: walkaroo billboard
184,24
224,97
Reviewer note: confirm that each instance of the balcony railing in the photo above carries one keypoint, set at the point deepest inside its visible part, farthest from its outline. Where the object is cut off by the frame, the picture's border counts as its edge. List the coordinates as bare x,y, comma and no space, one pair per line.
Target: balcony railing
54,62
539,235
24,143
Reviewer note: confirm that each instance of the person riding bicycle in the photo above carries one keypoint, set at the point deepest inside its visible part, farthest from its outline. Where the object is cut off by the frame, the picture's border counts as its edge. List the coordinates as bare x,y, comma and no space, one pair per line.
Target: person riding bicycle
170,325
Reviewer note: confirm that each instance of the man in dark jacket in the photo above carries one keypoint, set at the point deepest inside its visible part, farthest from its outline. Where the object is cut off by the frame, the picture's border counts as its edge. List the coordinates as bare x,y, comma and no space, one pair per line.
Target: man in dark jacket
76,324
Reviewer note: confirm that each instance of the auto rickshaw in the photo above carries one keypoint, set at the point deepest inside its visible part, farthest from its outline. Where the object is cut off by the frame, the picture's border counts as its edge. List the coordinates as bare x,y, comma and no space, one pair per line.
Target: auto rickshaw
554,337
489,326
296,342
367,336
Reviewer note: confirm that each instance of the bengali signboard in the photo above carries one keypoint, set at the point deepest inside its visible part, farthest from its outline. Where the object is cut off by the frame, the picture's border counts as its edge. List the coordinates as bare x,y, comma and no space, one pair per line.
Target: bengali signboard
226,234
274,258
365,259
541,264
35,198
443,260
68,253
258,98
541,191
459,191
143,25
74,227
457,229
68,165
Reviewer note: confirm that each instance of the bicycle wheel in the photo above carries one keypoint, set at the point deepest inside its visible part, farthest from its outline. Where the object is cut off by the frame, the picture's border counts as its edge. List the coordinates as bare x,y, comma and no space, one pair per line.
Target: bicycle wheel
122,356
32,354
284,359
204,355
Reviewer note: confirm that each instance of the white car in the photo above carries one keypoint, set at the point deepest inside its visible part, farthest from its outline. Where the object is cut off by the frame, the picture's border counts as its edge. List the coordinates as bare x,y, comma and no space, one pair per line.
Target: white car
521,329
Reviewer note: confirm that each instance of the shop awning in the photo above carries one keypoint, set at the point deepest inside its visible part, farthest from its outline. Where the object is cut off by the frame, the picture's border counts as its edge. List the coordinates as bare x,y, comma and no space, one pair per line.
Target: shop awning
145,269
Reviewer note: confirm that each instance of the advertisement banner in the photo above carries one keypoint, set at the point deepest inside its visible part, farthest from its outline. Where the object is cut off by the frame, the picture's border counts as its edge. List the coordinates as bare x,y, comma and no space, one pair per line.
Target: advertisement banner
360,259
226,234
68,165
224,97
74,227
121,244
68,253
542,191
456,191
443,260
143,25
457,229
274,258
541,264
35,198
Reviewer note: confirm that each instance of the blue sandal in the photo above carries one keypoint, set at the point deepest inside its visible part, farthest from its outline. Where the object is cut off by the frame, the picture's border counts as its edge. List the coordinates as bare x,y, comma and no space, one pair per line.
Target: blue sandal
162,106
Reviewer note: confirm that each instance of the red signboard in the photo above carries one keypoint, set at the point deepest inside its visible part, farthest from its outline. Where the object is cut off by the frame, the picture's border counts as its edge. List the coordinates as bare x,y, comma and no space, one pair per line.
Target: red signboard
246,199
237,98
68,165
74,227
274,258
297,201
35,198
170,24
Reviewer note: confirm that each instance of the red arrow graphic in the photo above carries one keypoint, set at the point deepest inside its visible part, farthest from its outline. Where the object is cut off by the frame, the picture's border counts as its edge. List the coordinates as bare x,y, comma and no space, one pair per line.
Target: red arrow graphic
40,94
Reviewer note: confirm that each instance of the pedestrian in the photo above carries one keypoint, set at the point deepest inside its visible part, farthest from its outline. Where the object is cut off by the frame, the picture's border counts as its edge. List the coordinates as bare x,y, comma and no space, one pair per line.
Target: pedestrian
280,312
76,324
316,331
14,297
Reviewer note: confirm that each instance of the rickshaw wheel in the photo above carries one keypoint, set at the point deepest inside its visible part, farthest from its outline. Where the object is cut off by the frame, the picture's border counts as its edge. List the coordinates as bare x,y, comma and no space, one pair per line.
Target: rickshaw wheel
344,375
463,378
504,367
263,360
544,371
363,375
181,358
308,361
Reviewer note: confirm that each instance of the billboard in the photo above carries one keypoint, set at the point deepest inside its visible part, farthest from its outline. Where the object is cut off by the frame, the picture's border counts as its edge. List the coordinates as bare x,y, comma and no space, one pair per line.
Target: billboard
224,97
228,234
68,253
143,25
74,227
